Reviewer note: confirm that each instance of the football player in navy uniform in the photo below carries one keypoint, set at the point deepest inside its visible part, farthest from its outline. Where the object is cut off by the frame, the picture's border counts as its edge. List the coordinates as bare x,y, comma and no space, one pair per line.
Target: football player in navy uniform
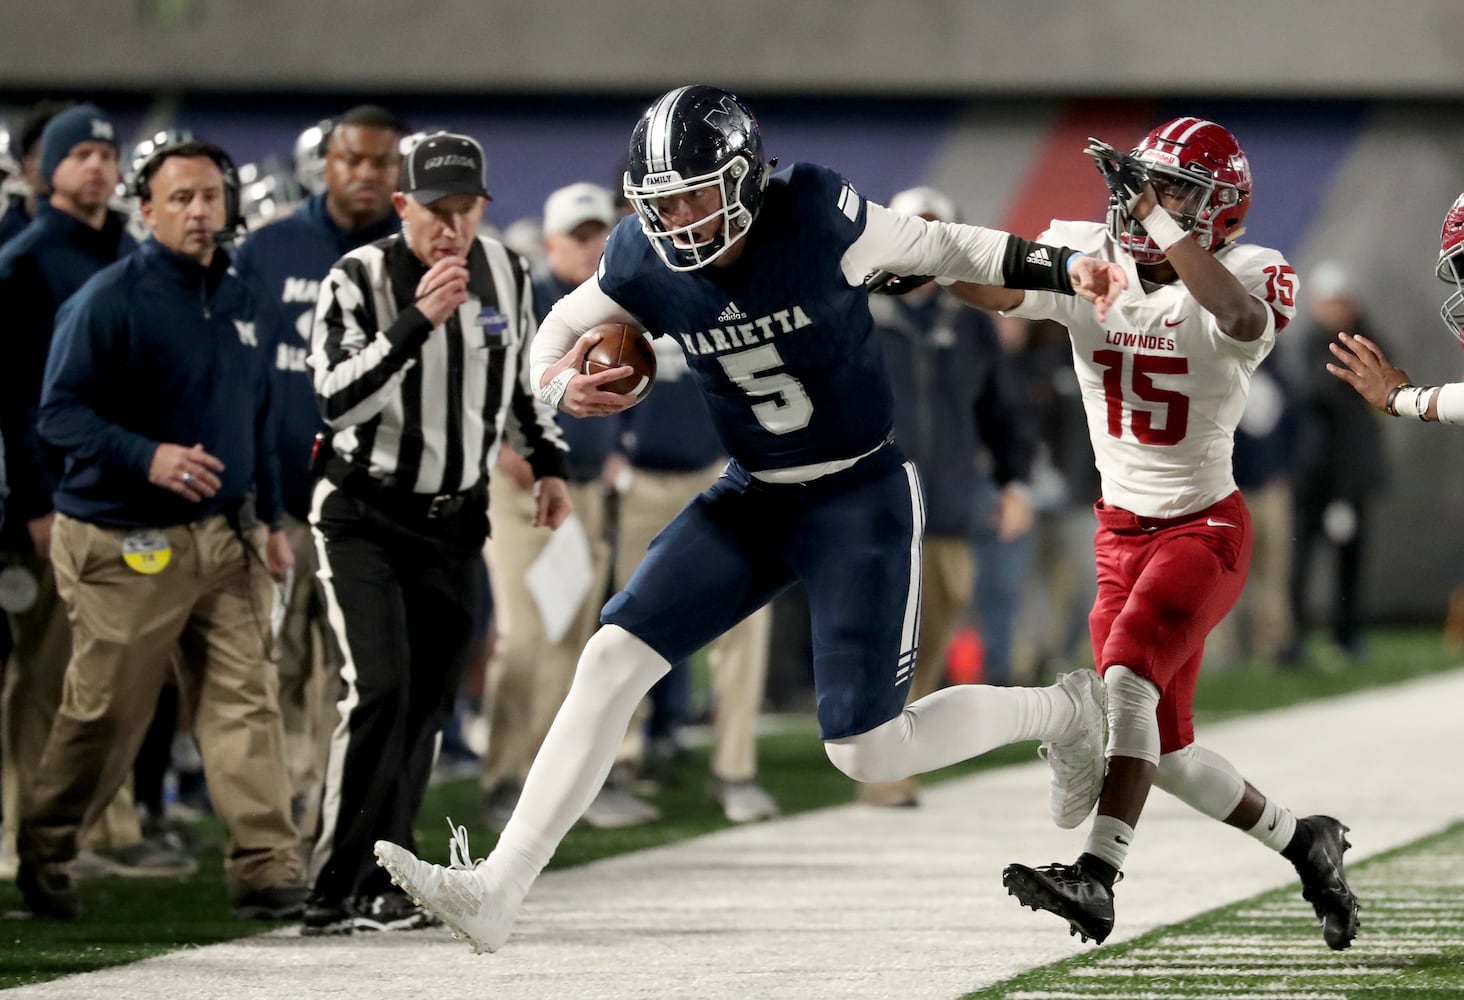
760,278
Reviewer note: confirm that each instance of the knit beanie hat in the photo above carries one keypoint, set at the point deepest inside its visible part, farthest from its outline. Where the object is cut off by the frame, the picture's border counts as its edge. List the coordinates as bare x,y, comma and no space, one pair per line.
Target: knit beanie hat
83,123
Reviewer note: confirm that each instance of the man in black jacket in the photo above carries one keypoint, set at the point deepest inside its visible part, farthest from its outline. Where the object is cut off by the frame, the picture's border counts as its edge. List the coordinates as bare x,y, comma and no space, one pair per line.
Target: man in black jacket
418,354
166,536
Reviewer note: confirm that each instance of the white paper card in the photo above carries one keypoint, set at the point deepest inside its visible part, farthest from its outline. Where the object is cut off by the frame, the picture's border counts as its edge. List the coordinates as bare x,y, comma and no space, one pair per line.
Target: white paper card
560,578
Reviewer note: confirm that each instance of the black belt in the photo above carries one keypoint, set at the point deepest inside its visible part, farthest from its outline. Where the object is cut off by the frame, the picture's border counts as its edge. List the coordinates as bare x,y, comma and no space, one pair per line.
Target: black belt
399,503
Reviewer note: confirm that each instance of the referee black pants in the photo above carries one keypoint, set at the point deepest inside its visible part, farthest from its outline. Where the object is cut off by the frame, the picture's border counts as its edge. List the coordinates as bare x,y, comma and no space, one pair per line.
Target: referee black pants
402,594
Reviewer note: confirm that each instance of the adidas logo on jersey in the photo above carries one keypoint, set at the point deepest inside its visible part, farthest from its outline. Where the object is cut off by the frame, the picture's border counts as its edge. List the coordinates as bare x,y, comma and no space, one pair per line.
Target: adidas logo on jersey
731,314
1039,257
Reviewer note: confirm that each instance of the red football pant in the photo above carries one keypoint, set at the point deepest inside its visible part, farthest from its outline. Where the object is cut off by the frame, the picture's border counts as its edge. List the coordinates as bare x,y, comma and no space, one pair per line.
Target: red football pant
1163,584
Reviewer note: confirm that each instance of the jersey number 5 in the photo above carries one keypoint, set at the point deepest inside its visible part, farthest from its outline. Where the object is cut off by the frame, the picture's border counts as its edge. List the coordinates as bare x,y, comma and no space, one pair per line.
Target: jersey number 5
1176,413
785,406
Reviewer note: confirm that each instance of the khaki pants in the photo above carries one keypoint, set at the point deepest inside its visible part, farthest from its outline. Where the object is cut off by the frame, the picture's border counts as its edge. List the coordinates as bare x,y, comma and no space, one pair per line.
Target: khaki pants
32,695
1260,624
213,603
309,680
739,659
528,676
946,581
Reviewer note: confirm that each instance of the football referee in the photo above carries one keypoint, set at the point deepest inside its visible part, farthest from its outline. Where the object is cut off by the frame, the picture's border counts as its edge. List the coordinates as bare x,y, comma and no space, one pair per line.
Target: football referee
419,360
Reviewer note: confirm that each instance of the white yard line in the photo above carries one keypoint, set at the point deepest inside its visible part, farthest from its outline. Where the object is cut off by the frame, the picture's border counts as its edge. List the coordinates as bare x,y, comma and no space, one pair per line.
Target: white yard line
859,903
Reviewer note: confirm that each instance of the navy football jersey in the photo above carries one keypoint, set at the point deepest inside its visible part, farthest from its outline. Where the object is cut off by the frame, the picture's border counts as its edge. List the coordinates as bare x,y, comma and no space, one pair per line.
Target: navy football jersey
779,341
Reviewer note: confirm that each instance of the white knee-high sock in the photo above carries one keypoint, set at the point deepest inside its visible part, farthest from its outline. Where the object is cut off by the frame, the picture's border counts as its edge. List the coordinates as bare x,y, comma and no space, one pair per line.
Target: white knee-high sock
614,673
951,725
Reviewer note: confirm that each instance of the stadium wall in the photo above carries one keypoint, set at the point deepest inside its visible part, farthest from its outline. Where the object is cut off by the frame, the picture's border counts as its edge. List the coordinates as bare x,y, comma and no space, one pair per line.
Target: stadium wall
1051,47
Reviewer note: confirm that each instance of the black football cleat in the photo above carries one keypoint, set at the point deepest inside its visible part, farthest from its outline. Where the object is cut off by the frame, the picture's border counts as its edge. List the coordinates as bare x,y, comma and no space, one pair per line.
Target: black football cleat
1067,890
48,893
1324,883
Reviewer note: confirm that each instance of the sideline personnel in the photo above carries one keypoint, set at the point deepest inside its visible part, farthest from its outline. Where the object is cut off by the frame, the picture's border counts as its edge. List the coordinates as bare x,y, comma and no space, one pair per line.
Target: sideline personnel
419,360
157,545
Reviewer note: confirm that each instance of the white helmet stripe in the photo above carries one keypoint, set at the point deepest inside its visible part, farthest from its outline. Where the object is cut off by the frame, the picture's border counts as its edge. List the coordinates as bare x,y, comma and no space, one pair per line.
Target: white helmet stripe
658,132
1183,129
1176,129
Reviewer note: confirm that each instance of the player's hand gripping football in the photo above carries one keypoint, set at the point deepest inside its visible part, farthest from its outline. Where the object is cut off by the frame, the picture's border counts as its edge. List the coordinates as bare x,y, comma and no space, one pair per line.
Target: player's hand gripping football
1126,176
1366,368
583,396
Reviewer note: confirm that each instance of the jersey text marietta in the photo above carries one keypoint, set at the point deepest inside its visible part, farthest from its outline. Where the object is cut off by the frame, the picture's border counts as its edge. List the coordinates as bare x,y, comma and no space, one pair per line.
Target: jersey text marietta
735,336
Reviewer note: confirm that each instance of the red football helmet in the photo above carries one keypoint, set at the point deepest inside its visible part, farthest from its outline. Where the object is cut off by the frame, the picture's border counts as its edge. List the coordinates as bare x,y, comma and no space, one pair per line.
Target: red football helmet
1451,268
1202,165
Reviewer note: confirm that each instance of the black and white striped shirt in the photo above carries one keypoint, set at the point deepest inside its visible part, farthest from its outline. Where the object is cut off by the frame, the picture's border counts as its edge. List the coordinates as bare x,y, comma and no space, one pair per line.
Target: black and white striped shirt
423,409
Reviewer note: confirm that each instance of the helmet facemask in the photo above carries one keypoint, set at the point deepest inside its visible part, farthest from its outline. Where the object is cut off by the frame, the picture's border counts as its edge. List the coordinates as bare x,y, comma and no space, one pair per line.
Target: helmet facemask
678,247
1451,268
1451,271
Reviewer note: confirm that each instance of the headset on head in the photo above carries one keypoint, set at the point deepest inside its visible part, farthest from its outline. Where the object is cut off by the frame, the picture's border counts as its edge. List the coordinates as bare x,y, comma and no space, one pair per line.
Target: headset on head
234,226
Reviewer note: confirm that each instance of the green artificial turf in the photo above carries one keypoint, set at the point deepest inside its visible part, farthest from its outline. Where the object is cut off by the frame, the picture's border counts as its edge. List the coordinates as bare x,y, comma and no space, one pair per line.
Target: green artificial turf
129,919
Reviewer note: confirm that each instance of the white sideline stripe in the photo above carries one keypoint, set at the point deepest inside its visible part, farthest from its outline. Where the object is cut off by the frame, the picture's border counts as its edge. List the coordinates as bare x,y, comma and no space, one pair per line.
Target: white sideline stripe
1266,944
1291,971
1129,965
862,903
1280,952
1223,995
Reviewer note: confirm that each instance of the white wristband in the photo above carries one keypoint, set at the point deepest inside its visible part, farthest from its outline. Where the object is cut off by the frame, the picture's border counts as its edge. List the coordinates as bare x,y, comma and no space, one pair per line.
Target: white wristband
1451,403
1413,400
1162,228
552,392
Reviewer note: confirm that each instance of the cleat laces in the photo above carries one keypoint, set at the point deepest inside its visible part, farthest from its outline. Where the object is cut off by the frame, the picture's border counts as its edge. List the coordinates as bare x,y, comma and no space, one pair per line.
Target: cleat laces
460,856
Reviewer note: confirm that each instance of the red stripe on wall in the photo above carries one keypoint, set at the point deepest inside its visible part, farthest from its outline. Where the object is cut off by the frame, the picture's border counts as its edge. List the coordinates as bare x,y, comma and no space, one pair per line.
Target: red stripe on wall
1063,182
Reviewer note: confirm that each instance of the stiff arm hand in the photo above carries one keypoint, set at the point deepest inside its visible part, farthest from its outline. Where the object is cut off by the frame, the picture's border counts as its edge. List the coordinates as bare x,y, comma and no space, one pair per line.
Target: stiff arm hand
1098,281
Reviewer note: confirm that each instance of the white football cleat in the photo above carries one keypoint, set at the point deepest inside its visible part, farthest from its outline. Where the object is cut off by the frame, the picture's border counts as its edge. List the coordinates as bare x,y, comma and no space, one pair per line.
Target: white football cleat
474,912
1077,760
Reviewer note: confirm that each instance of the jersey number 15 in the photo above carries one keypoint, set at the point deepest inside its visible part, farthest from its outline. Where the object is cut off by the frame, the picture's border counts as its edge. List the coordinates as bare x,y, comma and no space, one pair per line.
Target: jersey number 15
1176,404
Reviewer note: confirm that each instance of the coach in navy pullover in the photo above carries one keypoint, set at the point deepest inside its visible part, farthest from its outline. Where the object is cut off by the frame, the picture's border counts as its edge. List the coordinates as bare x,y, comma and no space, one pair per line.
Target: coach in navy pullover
39,270
157,348
283,263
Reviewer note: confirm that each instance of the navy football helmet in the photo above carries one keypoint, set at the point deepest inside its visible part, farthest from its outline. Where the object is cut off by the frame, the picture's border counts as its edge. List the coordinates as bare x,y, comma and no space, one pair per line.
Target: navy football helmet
311,146
267,190
143,150
9,164
691,139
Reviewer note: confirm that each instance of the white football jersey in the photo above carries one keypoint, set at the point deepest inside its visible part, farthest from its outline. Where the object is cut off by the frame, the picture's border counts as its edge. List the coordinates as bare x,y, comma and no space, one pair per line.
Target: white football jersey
1163,387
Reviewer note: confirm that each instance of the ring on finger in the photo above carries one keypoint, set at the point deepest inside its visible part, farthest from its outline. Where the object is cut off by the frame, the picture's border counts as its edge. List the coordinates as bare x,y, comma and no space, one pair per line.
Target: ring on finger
187,478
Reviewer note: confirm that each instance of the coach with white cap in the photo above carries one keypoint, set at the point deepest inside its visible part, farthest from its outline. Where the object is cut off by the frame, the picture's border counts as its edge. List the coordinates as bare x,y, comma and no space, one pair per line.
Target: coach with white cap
418,355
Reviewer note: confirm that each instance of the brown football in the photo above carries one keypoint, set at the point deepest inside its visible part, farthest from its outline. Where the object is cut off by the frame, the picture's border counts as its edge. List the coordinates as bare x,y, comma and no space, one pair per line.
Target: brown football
623,345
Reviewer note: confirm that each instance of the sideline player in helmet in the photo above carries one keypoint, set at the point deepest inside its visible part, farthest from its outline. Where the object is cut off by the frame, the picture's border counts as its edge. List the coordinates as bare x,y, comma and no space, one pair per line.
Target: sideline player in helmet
1367,369
1164,381
311,147
759,278
128,198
